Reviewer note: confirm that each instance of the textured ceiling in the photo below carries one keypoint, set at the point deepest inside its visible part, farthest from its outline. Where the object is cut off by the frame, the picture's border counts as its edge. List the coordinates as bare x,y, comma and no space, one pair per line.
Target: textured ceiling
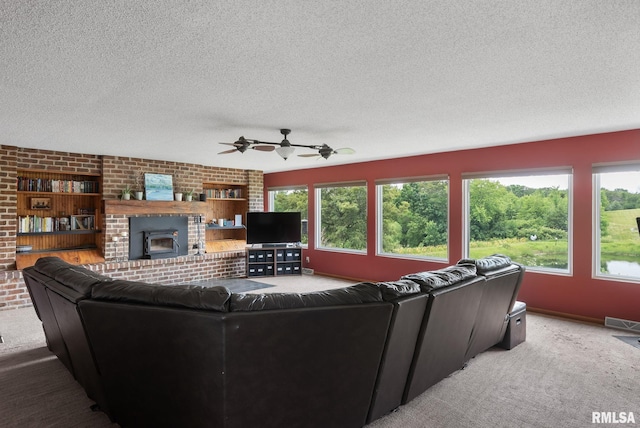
171,79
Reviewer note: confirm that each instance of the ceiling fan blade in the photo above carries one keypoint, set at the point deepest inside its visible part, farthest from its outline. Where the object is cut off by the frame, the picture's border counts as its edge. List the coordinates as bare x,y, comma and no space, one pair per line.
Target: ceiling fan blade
264,148
230,144
344,151
227,151
309,155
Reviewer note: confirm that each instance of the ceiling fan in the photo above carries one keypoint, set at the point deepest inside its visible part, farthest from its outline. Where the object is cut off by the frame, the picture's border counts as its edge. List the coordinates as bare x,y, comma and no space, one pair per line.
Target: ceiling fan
285,148
242,144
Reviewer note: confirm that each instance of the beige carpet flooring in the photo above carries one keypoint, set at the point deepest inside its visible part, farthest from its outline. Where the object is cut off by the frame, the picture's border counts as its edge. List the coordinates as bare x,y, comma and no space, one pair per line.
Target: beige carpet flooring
563,372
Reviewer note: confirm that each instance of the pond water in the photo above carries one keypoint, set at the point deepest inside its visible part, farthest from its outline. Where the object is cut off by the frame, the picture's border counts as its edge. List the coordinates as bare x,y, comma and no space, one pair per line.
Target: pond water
623,268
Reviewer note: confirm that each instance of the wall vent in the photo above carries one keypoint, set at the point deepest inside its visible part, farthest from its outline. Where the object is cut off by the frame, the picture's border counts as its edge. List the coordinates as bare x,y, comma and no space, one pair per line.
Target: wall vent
622,324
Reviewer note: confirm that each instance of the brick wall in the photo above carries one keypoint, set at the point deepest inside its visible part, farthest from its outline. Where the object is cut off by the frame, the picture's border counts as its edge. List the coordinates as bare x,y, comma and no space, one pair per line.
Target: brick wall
13,292
179,270
8,211
58,161
119,171
116,173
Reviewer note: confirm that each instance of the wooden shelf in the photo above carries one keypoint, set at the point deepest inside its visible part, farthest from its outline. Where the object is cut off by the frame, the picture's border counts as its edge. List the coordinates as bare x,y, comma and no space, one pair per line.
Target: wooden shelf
74,256
62,232
118,206
223,245
33,192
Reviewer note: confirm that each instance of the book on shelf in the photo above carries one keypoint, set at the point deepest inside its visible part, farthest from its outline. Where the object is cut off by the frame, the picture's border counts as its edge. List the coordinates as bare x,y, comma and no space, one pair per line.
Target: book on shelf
28,184
38,224
224,193
82,222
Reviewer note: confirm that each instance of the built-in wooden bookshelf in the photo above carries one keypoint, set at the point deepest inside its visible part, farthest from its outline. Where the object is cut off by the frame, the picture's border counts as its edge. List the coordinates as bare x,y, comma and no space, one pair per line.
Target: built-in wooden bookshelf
56,212
224,202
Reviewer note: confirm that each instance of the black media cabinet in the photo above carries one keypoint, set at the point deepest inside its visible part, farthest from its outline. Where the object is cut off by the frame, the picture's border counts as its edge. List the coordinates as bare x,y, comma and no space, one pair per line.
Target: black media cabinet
274,261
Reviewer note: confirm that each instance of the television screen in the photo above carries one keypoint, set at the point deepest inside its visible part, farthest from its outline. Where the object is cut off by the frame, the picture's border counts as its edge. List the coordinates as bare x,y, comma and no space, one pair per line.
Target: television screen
273,227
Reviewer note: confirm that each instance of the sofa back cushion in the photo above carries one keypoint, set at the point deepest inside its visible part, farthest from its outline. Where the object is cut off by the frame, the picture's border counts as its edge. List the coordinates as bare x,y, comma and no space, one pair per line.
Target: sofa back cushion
432,280
393,290
359,293
75,277
489,263
185,296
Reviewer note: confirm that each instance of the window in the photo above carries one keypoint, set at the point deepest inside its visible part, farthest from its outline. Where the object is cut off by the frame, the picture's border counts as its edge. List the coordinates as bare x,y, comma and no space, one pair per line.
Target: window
292,200
341,216
413,218
525,217
617,209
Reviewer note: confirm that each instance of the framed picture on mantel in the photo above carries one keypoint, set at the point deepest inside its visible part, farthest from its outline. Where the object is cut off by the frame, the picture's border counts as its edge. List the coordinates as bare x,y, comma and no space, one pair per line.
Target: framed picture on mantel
158,187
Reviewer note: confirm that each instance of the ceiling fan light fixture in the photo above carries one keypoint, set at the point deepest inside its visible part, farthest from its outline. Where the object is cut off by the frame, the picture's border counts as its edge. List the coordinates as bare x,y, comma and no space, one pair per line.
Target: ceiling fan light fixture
285,151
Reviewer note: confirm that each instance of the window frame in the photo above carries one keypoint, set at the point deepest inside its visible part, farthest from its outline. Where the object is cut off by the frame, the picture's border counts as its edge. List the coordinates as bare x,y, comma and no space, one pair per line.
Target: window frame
318,215
271,201
379,228
596,171
466,201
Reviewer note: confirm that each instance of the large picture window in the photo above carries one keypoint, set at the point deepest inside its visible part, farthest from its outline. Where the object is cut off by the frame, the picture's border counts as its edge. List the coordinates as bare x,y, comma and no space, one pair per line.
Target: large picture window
341,217
617,209
526,217
294,199
413,218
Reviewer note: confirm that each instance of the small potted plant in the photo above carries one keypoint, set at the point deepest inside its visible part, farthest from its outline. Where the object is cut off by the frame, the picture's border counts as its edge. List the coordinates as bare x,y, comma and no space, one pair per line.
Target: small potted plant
139,192
126,193
188,195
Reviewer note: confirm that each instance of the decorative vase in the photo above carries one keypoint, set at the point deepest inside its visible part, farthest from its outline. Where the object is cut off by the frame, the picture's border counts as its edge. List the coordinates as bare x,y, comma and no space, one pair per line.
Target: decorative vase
139,195
126,196
188,198
178,196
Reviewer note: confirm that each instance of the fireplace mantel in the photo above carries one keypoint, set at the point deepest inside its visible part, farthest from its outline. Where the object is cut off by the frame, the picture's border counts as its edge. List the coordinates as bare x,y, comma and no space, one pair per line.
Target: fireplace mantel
133,207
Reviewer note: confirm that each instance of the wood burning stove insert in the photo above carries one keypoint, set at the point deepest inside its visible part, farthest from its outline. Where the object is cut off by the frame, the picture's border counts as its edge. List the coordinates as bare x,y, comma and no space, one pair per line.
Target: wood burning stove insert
158,237
161,243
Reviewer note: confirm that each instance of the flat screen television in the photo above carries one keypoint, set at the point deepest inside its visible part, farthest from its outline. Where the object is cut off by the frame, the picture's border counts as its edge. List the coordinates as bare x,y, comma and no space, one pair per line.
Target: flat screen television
273,227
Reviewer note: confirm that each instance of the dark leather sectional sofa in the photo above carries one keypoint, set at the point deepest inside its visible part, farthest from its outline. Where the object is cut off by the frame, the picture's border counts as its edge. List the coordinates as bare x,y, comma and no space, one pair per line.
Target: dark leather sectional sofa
154,355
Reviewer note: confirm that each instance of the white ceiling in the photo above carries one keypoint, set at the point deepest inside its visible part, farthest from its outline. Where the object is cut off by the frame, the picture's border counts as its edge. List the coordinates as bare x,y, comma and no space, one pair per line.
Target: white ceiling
171,79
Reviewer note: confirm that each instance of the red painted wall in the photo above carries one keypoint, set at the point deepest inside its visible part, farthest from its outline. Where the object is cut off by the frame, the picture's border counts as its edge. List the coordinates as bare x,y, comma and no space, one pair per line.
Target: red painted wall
578,294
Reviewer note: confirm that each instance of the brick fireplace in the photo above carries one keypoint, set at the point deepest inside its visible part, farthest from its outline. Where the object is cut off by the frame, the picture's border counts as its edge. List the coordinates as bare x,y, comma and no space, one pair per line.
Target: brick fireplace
126,222
116,172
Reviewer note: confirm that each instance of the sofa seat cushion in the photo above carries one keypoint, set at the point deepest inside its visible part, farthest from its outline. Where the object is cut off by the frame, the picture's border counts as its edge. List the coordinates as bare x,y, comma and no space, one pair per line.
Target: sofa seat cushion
186,296
75,277
395,289
359,293
432,280
489,263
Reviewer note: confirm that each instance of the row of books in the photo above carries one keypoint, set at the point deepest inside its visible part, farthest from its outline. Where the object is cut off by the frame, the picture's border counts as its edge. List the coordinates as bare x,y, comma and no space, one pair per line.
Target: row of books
223,193
38,224
27,184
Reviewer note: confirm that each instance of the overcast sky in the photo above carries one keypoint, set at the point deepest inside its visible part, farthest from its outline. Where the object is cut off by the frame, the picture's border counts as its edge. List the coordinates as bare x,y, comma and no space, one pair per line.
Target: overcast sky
610,180
621,180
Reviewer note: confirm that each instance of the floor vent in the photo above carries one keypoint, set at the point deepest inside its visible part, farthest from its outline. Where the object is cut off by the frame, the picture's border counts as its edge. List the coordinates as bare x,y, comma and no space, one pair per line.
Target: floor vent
622,324
307,271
